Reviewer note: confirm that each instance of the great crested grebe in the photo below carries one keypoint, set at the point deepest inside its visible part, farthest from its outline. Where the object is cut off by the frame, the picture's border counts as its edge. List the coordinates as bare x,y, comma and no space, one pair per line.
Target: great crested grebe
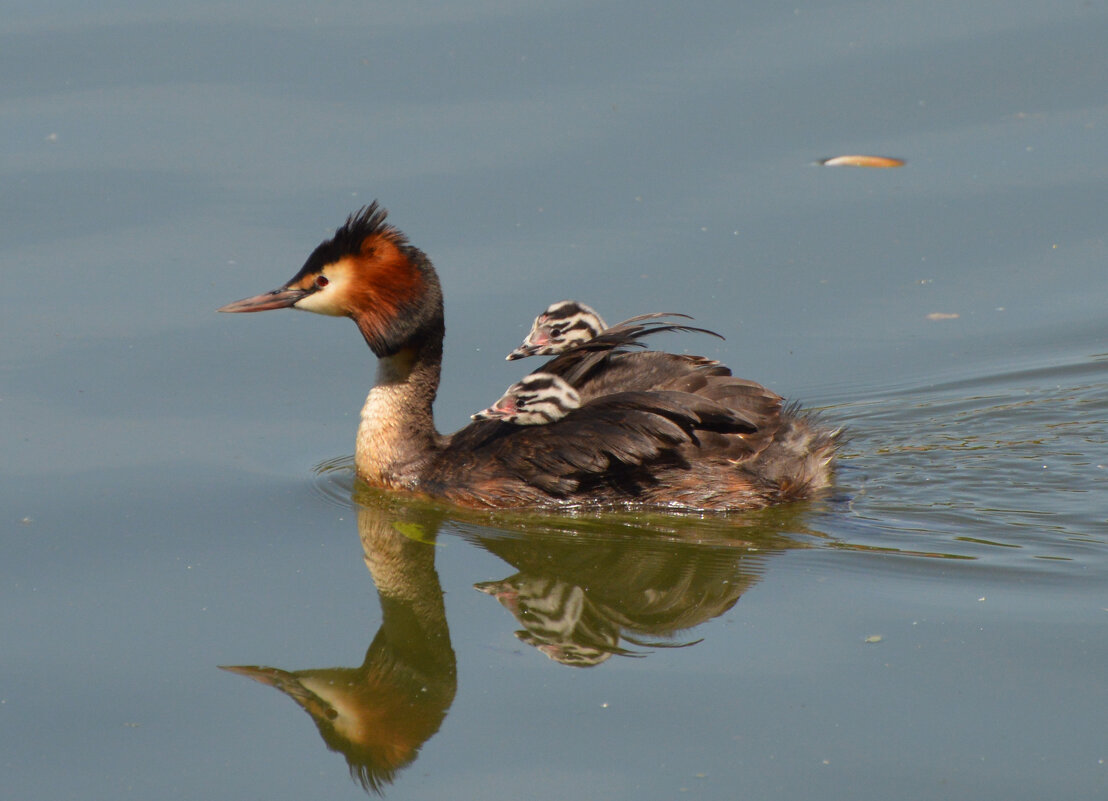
536,400
569,323
654,429
563,325
543,397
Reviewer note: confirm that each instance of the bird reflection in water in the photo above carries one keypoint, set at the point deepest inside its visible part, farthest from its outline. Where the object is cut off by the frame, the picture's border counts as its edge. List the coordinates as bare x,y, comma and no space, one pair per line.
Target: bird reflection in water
379,715
613,585
586,589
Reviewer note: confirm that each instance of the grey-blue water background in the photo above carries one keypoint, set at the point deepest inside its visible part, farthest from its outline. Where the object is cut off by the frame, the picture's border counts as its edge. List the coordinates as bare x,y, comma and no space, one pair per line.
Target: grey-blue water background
936,628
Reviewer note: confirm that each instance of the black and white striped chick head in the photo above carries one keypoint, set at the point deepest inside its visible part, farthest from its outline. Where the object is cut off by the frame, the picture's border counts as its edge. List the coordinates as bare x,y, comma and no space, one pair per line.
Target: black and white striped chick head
538,399
563,325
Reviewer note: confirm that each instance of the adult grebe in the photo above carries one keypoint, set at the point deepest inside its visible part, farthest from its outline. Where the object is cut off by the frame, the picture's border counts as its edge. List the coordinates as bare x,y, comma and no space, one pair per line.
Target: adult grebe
653,429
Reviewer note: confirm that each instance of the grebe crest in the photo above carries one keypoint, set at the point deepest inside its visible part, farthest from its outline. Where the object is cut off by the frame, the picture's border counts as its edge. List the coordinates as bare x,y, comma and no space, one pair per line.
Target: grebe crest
538,399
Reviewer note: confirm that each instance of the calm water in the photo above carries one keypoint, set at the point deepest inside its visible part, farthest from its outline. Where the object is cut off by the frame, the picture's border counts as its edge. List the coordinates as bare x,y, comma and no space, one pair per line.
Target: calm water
175,489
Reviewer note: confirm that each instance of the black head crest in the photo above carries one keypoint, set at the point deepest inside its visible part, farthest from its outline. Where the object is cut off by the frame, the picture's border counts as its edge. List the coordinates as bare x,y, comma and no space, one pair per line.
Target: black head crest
348,240
365,222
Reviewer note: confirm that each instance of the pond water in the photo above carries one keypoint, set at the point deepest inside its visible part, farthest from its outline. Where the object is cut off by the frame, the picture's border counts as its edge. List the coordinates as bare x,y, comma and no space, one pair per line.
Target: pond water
176,488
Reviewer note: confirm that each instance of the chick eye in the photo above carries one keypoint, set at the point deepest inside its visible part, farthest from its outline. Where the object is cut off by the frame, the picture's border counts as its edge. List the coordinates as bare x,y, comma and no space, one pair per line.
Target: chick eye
321,281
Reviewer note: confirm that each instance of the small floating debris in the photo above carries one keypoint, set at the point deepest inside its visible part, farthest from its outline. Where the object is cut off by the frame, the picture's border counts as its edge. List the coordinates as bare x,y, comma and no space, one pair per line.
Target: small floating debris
874,638
943,316
861,161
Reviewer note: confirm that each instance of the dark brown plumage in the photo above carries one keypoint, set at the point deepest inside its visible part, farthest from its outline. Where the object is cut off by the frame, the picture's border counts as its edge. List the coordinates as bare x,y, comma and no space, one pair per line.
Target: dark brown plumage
654,428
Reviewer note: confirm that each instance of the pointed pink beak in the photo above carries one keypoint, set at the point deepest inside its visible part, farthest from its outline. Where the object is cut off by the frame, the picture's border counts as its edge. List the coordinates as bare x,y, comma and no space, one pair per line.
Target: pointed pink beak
498,411
277,299
530,348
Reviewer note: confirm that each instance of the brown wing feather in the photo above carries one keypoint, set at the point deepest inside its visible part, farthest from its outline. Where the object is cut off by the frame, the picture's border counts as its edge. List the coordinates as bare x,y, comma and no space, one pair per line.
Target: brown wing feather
587,359
557,457
653,428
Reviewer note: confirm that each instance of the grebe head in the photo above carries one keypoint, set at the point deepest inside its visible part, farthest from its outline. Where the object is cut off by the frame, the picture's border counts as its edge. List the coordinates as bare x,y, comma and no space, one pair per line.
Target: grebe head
563,325
369,272
538,399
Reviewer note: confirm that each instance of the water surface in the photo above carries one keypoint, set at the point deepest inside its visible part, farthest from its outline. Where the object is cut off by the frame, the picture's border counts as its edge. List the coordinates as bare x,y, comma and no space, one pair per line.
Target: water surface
935,627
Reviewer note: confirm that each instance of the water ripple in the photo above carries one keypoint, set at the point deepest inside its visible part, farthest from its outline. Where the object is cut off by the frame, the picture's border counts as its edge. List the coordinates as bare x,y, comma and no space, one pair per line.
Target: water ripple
1001,467
334,480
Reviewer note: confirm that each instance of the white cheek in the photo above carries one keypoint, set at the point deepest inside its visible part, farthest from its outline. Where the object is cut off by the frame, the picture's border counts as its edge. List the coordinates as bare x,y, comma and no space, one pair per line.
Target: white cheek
321,302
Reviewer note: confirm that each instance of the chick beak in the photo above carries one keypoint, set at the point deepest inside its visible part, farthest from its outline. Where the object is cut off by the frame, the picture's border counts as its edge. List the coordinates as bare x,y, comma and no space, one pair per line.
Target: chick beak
522,352
532,346
535,343
498,411
490,413
281,298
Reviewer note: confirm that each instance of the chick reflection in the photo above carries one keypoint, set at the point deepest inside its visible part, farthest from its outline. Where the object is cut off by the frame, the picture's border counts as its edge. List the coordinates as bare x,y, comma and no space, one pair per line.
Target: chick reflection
378,715
586,586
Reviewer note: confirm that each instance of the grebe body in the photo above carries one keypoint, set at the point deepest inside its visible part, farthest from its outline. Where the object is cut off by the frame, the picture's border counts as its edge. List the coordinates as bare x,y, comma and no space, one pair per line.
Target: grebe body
653,429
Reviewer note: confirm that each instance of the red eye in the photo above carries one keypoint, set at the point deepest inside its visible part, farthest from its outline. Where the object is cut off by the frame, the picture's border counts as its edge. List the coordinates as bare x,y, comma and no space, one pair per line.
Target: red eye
321,281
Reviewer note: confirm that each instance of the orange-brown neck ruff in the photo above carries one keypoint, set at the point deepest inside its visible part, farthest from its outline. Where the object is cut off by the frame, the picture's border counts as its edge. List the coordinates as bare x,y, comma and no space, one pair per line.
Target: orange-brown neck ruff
386,290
